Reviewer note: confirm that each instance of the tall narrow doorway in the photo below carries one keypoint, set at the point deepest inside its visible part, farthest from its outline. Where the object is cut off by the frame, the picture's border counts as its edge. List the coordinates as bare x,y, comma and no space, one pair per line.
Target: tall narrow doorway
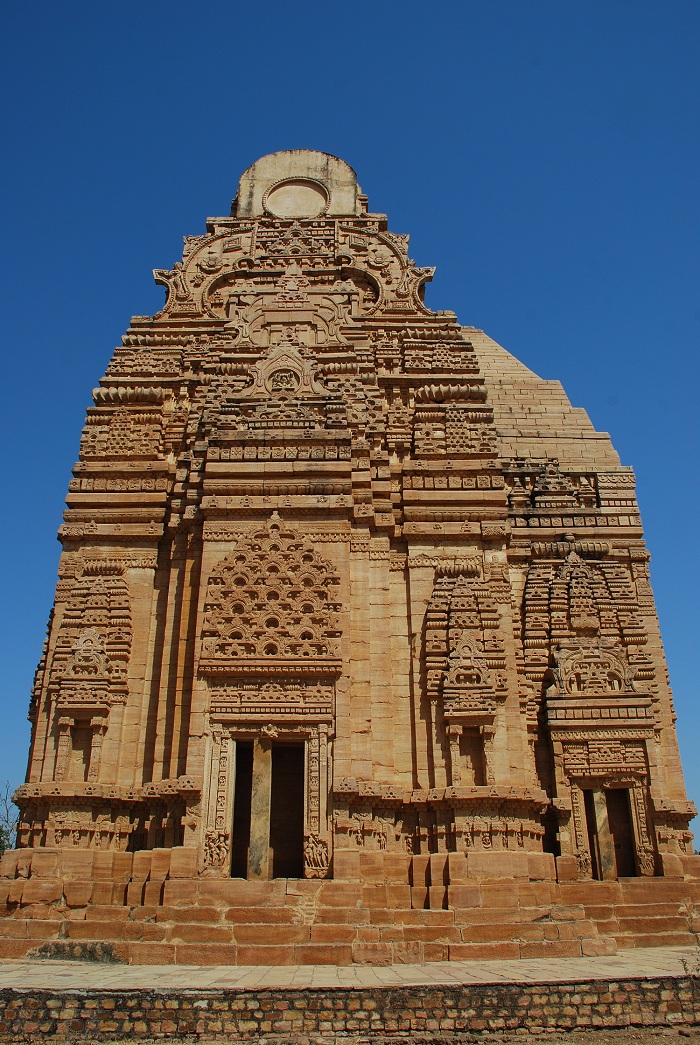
280,829
287,811
241,809
620,820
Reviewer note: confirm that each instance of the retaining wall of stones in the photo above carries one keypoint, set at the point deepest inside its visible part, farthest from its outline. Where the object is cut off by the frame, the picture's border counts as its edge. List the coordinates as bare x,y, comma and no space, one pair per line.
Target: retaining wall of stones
319,1015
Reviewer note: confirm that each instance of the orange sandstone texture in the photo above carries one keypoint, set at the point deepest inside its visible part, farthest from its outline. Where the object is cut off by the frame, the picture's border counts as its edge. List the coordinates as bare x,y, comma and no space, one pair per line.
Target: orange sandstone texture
346,592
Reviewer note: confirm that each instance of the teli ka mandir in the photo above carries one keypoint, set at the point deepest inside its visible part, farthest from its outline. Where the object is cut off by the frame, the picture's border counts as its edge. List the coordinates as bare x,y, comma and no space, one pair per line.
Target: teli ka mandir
354,655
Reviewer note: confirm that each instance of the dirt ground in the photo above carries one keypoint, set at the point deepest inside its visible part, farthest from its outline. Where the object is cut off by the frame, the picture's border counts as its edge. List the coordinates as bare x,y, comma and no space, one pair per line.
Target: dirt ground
604,1036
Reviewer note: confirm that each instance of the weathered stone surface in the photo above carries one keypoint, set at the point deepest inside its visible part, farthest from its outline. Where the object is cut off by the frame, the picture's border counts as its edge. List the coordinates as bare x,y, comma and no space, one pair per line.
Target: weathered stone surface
349,599
434,1013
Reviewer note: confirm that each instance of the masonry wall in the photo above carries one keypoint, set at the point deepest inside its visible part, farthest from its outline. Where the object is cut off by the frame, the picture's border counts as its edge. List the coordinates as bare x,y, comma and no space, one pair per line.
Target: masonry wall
432,1013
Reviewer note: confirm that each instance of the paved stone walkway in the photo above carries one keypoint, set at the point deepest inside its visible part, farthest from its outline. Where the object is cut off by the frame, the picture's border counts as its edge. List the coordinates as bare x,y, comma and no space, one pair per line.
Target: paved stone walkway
52,975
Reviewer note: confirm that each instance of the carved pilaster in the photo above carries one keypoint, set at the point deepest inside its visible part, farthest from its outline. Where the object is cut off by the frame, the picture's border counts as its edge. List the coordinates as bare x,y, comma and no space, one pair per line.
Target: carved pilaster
453,735
216,850
99,728
645,849
581,849
488,733
63,746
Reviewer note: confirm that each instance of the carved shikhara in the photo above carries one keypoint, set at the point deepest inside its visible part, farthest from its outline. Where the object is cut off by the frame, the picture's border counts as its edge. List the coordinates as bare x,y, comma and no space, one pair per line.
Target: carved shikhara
311,512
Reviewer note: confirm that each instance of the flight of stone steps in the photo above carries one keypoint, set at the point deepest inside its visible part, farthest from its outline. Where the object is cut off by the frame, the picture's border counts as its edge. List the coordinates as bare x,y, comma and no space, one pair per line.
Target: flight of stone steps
143,913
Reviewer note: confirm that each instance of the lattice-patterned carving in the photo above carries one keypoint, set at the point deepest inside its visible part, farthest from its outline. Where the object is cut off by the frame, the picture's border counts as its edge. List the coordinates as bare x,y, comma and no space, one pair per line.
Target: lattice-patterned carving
463,437
271,607
123,434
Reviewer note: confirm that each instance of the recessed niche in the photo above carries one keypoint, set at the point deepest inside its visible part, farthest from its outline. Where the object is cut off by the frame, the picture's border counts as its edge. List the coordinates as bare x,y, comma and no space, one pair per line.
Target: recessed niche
297,198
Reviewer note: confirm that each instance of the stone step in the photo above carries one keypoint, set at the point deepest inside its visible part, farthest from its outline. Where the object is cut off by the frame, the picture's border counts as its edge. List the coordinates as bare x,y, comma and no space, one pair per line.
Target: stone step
634,921
631,891
631,910
639,924
311,952
410,935
244,921
13,949
654,939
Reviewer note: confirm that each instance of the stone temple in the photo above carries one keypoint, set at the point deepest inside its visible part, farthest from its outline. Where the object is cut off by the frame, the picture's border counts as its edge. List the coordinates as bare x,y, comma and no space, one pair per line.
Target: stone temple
354,655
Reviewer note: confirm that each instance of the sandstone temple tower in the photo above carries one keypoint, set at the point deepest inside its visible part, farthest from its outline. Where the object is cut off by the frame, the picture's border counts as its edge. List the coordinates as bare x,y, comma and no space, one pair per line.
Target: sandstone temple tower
349,598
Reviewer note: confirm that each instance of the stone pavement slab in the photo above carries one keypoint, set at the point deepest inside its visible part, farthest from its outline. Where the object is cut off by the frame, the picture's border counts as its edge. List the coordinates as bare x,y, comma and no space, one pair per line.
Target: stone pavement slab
39,974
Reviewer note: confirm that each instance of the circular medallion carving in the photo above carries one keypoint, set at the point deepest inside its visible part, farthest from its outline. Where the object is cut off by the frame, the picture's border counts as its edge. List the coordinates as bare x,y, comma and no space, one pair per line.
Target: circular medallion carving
296,198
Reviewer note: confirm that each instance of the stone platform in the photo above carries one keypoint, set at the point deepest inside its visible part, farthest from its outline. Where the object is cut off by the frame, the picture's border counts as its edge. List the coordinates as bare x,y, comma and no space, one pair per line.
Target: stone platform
149,912
642,987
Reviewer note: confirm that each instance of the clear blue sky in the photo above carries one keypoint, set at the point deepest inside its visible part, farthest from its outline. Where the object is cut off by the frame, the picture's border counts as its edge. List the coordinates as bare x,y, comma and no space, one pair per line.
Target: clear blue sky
543,155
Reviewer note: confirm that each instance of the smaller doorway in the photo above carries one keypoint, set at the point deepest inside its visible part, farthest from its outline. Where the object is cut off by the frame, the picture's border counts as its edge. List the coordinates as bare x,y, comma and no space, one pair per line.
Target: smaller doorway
610,833
621,830
471,751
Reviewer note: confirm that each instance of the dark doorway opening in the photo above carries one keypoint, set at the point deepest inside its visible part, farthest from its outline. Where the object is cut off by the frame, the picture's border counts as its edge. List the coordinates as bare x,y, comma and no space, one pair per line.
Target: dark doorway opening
287,811
620,821
550,842
241,809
